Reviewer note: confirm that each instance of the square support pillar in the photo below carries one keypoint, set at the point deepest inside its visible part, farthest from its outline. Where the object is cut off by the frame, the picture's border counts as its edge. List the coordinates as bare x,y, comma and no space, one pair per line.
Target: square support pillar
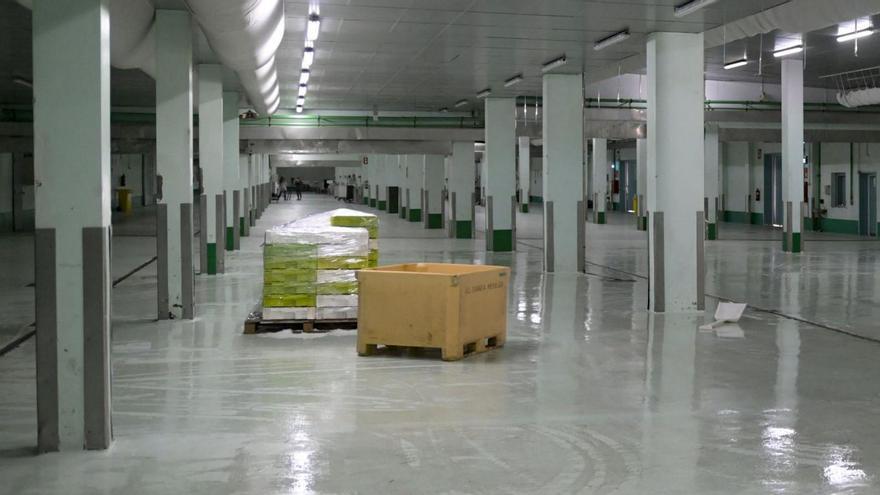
524,160
600,179
642,183
231,167
211,163
71,70
711,200
462,176
500,179
244,185
415,183
174,154
675,172
432,204
792,153
563,131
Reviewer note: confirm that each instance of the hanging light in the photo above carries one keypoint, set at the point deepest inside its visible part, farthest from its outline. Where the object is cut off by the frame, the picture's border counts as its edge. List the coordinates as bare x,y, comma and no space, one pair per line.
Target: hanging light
557,62
313,27
513,80
791,50
299,109
308,57
304,76
736,63
303,89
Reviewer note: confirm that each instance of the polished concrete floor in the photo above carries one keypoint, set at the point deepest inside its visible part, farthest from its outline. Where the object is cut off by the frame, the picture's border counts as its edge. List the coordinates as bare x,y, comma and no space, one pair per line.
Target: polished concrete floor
591,394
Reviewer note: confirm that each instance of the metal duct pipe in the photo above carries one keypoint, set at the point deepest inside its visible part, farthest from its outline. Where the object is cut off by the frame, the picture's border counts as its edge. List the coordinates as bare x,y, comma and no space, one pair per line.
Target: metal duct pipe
245,35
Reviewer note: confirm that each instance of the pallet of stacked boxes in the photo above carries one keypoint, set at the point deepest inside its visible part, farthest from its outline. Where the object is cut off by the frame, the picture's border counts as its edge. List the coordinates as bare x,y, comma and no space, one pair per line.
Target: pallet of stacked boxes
309,271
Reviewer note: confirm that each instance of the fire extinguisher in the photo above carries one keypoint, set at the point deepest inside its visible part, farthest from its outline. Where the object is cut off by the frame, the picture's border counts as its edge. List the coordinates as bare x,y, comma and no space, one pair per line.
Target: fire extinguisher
758,194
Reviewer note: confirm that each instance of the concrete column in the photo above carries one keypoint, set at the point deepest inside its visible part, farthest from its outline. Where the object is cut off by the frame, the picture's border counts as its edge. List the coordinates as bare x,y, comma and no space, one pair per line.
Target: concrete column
415,182
174,151
524,161
792,153
462,175
211,163
71,70
432,187
500,179
231,169
564,209
244,224
675,171
599,179
642,182
380,189
712,200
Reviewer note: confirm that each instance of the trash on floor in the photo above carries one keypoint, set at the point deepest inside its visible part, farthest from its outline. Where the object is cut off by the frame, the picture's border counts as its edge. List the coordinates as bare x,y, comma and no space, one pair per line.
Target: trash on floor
726,312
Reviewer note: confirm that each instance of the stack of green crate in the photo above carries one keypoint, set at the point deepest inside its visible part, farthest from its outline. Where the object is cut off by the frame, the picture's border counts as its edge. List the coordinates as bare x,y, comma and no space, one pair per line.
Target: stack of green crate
290,275
353,218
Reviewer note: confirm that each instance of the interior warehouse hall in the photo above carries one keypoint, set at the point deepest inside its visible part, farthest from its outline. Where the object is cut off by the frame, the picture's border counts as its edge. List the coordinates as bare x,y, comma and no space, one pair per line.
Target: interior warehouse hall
469,247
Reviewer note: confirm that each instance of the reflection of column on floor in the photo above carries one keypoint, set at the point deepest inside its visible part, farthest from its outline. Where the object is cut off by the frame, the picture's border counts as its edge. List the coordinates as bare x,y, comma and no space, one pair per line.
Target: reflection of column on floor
174,155
600,179
500,180
211,163
792,153
462,174
710,181
230,169
71,68
642,182
524,160
671,437
675,179
433,192
563,173
415,182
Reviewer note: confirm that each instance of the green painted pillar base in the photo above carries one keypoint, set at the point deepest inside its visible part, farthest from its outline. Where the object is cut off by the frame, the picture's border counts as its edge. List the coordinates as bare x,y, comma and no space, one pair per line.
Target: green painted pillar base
643,223
464,229
796,242
502,241
711,231
241,227
524,208
372,202
367,201
600,218
230,239
212,258
383,205
435,221
415,215
402,212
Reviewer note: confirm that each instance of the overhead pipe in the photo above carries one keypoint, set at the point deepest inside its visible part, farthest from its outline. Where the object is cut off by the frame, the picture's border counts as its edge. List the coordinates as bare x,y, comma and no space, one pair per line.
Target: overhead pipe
245,35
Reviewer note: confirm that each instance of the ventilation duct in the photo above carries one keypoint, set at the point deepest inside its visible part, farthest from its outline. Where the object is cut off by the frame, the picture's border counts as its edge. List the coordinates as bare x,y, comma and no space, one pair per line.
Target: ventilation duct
859,97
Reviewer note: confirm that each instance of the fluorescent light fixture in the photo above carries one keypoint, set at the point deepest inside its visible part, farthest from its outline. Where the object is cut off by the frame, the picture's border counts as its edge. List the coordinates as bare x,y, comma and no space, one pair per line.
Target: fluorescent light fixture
444,110
22,82
513,80
308,57
300,101
691,7
303,89
558,62
299,109
736,63
611,40
861,33
461,103
304,76
791,50
313,27
484,93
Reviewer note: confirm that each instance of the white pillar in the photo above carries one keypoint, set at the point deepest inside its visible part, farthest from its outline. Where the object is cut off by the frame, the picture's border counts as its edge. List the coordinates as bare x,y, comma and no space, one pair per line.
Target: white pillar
380,188
244,184
524,161
711,202
563,131
600,178
642,182
675,171
792,152
71,69
432,206
231,168
415,181
462,175
211,163
500,179
174,151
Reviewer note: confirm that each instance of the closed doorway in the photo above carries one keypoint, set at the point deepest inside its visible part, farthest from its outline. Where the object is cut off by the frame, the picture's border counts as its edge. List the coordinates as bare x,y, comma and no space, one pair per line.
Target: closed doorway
868,204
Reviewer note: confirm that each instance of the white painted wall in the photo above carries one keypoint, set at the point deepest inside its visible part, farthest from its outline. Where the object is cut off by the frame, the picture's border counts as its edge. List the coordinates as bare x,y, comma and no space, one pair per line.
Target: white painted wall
536,176
735,170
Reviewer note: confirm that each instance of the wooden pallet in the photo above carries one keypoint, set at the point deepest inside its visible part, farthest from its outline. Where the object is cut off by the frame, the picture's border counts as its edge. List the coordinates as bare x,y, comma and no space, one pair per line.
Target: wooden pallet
256,324
447,354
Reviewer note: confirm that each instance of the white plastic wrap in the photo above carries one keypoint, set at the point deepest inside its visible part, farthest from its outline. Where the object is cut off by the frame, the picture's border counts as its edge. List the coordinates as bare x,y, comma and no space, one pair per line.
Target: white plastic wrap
333,276
340,313
331,241
337,301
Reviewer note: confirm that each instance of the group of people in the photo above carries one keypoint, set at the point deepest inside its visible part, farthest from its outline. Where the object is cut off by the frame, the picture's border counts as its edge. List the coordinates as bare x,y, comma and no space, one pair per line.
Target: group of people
285,188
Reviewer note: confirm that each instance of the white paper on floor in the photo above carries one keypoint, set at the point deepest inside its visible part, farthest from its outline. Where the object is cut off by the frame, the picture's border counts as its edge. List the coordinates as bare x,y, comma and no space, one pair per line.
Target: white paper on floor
287,334
726,312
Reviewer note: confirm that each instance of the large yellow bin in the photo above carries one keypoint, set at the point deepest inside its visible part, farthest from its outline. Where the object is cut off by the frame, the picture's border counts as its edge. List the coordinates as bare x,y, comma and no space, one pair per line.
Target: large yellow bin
123,199
460,309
